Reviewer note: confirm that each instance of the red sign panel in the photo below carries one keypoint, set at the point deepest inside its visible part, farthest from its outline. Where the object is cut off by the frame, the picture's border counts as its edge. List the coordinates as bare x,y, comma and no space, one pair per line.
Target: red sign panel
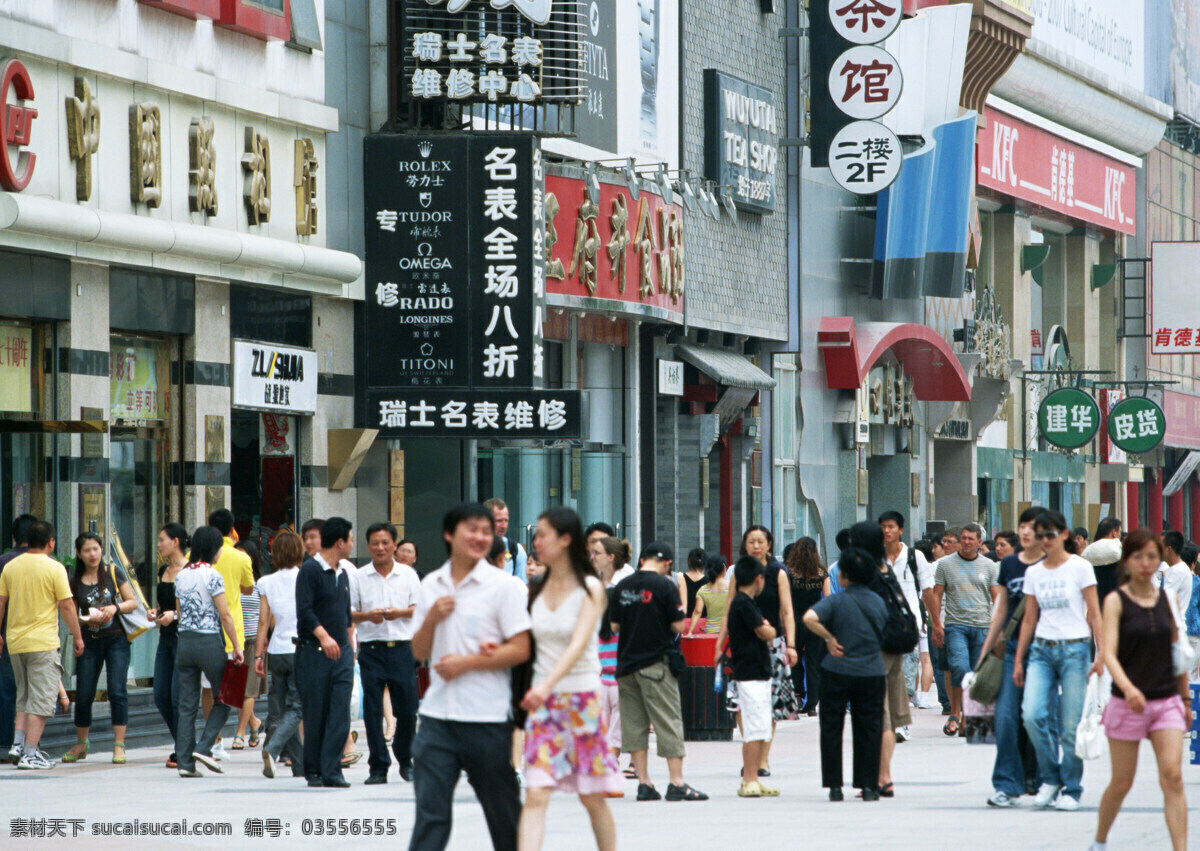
1026,162
194,9
16,125
1183,420
624,251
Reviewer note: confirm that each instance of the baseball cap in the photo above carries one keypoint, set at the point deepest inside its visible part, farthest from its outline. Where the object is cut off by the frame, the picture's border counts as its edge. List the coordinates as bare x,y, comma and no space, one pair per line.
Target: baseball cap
657,550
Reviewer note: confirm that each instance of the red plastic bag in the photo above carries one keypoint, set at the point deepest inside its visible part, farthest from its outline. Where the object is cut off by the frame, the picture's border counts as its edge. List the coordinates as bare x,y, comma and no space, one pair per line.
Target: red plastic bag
233,684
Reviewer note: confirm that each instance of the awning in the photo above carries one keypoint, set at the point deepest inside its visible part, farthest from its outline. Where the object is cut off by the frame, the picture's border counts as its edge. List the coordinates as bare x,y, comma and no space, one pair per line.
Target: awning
1184,472
728,368
851,350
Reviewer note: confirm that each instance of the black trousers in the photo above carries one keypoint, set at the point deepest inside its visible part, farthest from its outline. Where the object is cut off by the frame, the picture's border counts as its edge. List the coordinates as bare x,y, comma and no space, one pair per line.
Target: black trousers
325,685
392,668
442,750
864,695
806,678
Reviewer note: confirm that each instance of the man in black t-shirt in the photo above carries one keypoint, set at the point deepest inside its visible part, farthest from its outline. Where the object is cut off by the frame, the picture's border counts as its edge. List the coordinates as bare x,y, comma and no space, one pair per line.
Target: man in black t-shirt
646,615
749,634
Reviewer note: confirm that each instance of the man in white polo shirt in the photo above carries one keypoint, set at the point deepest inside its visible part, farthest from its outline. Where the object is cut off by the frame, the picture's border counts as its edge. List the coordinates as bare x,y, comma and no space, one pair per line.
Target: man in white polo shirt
383,597
472,623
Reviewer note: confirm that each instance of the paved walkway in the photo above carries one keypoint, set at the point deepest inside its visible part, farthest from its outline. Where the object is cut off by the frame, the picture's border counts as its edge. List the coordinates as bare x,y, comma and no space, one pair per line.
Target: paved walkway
941,788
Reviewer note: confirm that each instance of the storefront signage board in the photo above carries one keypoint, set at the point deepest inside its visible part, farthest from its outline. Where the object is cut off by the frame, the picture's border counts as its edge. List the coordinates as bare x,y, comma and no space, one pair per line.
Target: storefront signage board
267,377
741,140
476,413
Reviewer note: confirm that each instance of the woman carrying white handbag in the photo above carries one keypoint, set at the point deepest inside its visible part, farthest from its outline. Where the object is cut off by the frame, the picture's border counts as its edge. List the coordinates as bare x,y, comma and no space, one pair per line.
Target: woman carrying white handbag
1150,697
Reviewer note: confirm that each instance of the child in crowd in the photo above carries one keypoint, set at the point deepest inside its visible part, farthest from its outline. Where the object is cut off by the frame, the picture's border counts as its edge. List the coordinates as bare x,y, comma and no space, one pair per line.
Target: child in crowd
749,638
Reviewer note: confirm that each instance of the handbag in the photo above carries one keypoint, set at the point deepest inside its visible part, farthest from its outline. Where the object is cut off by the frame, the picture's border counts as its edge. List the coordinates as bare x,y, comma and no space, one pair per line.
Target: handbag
1182,655
233,684
1091,739
986,684
137,621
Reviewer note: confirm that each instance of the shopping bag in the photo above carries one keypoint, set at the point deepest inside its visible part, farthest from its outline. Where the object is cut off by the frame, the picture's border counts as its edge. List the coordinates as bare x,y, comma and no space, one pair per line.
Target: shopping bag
233,684
1091,740
979,719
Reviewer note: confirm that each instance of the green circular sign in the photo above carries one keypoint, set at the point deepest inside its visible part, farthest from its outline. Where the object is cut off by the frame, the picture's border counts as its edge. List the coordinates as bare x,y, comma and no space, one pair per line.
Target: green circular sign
1068,418
1136,425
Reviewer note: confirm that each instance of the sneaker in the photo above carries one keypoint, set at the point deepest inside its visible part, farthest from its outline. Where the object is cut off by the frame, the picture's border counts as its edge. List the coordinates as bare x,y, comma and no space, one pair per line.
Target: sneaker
1001,799
1046,795
902,734
209,762
1066,803
15,753
35,760
218,752
268,765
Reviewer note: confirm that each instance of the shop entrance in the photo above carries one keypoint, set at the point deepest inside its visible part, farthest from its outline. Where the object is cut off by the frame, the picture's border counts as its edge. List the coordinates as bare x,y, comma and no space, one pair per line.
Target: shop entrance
23,485
263,476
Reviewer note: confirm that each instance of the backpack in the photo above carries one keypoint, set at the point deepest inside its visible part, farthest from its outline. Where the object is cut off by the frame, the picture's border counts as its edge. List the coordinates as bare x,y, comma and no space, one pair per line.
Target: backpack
899,634
912,569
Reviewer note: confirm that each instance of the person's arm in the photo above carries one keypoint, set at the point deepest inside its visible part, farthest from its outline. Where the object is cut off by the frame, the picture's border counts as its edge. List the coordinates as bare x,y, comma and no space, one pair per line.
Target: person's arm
724,633
786,616
222,607
1093,617
933,605
826,588
247,576
264,625
1028,625
422,641
70,614
996,625
511,653
589,615
765,631
696,614
813,622
357,613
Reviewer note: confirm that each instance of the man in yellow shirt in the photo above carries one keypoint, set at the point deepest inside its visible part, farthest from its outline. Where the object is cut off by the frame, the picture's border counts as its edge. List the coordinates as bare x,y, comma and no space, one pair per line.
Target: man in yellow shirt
234,567
33,589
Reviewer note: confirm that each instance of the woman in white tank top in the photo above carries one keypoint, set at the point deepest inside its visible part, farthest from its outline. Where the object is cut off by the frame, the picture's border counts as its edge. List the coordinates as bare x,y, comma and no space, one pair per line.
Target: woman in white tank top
565,734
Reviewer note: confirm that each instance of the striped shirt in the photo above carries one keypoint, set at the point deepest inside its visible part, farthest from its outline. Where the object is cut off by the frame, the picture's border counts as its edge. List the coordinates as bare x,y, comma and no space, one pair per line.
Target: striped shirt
250,613
608,661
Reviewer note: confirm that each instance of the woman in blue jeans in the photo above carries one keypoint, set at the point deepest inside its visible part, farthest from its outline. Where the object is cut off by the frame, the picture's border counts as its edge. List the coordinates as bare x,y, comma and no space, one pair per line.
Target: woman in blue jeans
173,543
1008,773
102,593
1062,618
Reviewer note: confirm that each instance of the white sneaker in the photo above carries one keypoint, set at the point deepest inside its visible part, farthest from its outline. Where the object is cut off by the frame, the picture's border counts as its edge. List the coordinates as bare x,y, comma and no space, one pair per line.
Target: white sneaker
218,752
1047,792
35,760
268,765
15,753
1066,803
209,762
1001,799
902,734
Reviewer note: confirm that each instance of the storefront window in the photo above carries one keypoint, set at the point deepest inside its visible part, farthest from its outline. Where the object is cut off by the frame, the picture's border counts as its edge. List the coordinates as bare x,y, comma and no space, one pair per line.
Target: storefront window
26,396
264,476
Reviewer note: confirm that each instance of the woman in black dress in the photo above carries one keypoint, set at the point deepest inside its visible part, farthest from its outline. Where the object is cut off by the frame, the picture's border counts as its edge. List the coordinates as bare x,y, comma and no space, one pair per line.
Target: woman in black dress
809,582
692,579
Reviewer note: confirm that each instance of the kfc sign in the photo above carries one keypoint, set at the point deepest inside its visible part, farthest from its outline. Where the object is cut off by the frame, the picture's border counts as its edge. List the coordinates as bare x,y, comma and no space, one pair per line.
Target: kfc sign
1026,162
16,124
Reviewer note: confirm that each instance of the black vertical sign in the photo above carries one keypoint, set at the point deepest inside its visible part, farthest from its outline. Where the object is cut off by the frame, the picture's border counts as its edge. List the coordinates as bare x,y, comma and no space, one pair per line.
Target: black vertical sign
417,286
826,45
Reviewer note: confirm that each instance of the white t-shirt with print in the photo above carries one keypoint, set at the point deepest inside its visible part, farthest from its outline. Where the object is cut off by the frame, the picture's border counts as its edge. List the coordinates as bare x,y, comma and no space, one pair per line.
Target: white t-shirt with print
195,588
1062,613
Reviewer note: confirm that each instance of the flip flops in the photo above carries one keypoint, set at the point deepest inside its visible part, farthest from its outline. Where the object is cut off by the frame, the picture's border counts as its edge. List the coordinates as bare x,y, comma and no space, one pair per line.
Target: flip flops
953,719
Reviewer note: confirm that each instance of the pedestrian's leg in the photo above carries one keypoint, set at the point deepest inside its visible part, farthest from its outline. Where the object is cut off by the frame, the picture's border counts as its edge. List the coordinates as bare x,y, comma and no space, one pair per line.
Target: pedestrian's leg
1075,661
337,717
403,693
87,678
603,826
866,718
1008,775
832,714
312,682
1168,750
926,672
165,688
373,664
290,722
436,767
1036,713
751,760
485,757
8,701
187,670
1123,756
116,663
957,653
213,660
532,826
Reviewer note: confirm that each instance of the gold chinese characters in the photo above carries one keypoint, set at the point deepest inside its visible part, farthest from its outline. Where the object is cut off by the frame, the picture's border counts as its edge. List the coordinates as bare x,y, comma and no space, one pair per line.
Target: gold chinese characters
305,180
202,172
145,154
83,135
256,163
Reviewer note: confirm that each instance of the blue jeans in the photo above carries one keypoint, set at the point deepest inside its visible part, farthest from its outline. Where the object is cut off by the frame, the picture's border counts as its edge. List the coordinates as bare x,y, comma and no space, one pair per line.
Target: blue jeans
963,645
937,657
1051,667
111,652
166,681
8,701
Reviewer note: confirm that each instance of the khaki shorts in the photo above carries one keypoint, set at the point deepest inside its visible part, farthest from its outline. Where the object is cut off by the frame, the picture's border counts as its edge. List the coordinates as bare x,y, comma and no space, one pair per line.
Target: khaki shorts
651,696
896,712
38,675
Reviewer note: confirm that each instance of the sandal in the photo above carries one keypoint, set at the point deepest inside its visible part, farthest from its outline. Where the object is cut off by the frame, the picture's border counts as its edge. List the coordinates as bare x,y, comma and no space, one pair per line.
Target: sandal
255,736
887,790
239,744
630,773
71,756
118,760
684,793
348,759
946,729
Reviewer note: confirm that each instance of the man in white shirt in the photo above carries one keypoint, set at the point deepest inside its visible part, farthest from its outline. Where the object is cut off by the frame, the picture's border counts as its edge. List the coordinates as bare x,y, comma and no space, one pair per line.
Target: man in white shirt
472,623
1173,573
915,576
383,597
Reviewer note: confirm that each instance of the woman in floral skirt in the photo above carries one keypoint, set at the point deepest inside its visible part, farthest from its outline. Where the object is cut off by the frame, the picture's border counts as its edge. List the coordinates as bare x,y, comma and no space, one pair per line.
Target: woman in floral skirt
565,735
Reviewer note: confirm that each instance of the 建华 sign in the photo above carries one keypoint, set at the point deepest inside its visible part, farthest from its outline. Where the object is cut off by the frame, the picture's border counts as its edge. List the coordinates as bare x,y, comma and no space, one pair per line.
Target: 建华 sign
1068,418
1136,424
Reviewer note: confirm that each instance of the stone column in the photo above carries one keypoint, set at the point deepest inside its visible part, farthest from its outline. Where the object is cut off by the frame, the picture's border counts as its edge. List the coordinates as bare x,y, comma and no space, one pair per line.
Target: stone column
206,405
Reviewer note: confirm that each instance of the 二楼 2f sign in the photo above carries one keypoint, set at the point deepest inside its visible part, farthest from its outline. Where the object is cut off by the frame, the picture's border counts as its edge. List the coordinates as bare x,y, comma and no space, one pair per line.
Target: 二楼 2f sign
1174,311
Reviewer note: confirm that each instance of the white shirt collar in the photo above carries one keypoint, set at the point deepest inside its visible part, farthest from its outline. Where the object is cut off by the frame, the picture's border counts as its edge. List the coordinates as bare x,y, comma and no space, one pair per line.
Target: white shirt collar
480,573
326,565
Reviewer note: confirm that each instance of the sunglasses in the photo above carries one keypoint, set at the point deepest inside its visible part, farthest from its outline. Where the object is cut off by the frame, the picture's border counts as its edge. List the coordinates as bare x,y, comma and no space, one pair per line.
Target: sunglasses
1045,536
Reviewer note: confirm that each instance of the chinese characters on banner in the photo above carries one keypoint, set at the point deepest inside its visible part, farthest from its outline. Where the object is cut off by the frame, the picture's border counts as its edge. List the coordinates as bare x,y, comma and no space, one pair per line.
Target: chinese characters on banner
1068,418
1026,162
1136,425
476,414
621,250
16,368
134,381
491,68
741,140
1174,320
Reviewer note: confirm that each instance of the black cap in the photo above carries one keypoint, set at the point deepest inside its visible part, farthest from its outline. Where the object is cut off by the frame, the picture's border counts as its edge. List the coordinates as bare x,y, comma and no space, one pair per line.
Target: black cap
657,550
